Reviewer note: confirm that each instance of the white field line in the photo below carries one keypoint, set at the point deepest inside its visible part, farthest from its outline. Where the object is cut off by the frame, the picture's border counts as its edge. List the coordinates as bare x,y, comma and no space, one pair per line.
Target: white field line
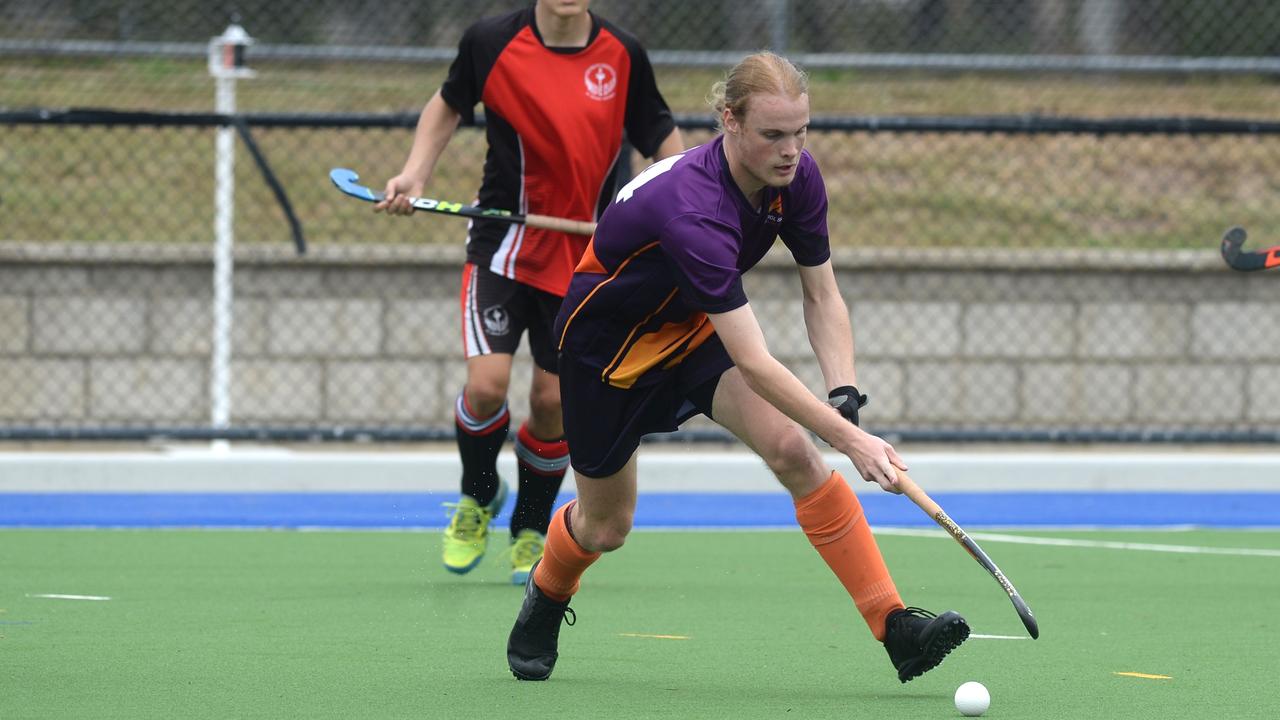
1103,544
1143,676
976,636
69,597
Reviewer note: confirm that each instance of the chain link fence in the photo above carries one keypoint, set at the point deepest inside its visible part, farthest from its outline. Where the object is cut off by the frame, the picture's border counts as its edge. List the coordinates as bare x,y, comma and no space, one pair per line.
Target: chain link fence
1183,28
1026,198
1103,58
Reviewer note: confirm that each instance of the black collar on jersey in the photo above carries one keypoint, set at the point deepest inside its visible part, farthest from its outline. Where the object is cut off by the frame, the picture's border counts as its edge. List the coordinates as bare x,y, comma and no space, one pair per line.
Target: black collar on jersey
591,37
766,197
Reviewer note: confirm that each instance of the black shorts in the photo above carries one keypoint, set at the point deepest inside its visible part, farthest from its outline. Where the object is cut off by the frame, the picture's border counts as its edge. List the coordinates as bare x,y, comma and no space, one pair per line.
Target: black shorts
603,424
497,310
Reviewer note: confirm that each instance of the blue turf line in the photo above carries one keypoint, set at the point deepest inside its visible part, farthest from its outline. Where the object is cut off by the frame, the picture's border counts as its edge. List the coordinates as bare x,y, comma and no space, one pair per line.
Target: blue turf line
419,510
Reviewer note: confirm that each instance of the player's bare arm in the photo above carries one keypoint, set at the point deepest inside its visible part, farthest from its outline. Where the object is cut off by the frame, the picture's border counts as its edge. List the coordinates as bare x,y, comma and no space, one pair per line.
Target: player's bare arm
436,125
740,332
826,319
673,144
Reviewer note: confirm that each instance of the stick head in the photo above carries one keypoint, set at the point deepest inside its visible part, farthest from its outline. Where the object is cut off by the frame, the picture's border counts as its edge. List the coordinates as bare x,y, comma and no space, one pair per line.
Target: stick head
347,182
1238,258
1024,612
1232,241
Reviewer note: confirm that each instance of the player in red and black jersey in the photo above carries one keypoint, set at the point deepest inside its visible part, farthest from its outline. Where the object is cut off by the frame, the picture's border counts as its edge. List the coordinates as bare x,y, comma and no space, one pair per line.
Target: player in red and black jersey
561,88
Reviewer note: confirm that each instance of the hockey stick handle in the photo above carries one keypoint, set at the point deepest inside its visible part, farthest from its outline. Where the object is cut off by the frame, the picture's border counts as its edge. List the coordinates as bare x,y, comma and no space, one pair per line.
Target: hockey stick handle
935,511
558,224
920,498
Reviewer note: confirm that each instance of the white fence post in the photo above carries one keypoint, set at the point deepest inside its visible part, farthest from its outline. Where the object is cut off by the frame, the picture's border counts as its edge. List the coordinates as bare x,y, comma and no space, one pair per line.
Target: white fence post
226,65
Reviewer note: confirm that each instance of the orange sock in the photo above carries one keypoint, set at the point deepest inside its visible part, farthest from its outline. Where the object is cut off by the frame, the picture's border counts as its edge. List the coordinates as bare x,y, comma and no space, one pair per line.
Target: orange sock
832,518
563,559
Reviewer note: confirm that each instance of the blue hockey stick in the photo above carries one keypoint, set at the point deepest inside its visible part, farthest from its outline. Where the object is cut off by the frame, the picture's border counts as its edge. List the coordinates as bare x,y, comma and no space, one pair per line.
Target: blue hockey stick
347,182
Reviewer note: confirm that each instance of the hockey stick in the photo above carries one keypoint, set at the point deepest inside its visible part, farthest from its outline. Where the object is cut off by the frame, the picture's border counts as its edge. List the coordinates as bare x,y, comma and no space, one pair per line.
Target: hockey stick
933,510
1243,260
346,180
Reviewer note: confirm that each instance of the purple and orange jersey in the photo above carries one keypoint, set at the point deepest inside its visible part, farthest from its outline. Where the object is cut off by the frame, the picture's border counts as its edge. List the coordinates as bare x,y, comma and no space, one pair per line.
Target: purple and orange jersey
673,247
555,119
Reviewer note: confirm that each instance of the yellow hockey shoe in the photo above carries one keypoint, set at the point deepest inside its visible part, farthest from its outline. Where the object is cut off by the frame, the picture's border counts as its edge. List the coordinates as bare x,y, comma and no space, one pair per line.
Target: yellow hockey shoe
526,549
467,536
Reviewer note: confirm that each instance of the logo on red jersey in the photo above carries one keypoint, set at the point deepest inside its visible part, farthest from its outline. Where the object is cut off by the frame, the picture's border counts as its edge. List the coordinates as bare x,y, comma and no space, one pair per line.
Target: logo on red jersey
602,81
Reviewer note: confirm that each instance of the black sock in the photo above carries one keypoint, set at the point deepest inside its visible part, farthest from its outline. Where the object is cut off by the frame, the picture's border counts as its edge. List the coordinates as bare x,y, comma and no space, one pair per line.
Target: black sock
479,442
542,465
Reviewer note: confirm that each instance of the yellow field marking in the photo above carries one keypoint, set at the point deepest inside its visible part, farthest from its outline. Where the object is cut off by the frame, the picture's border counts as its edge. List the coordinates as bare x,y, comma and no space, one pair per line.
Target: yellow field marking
655,637
1145,676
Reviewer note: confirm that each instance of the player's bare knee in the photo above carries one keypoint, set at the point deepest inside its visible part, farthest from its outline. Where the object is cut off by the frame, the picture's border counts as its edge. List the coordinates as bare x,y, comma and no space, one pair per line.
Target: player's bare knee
486,395
790,452
544,412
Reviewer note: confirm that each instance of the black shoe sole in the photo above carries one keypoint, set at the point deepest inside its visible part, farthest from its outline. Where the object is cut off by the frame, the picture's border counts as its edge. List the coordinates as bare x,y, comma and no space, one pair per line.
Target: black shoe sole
946,634
529,678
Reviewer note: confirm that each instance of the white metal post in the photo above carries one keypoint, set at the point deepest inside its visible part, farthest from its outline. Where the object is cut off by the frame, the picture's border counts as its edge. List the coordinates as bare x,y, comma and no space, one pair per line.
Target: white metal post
779,24
1099,23
226,64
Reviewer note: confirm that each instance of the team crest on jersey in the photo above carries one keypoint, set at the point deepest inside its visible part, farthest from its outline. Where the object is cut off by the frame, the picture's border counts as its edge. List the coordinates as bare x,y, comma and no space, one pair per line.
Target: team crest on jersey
602,81
495,320
775,210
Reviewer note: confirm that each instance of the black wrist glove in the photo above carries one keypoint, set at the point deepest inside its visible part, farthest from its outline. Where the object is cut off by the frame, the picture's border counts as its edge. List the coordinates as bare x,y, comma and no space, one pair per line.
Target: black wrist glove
847,400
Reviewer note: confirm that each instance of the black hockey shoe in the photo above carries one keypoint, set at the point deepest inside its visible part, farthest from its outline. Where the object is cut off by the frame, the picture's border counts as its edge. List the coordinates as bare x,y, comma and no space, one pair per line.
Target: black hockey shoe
531,648
917,640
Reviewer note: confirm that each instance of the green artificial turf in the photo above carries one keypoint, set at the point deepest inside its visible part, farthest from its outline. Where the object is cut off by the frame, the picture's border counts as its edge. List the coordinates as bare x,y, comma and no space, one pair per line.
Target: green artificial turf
263,624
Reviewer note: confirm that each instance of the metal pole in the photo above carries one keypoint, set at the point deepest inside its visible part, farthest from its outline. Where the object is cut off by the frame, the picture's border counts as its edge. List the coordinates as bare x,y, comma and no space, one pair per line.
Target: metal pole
226,65
779,21
224,237
1099,24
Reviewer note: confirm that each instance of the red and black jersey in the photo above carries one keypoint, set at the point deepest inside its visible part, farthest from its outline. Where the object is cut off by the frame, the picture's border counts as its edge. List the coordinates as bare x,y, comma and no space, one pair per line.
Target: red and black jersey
555,120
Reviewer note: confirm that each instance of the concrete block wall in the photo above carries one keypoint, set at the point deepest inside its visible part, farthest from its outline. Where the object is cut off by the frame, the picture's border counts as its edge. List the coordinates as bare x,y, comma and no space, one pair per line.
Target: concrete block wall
348,337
